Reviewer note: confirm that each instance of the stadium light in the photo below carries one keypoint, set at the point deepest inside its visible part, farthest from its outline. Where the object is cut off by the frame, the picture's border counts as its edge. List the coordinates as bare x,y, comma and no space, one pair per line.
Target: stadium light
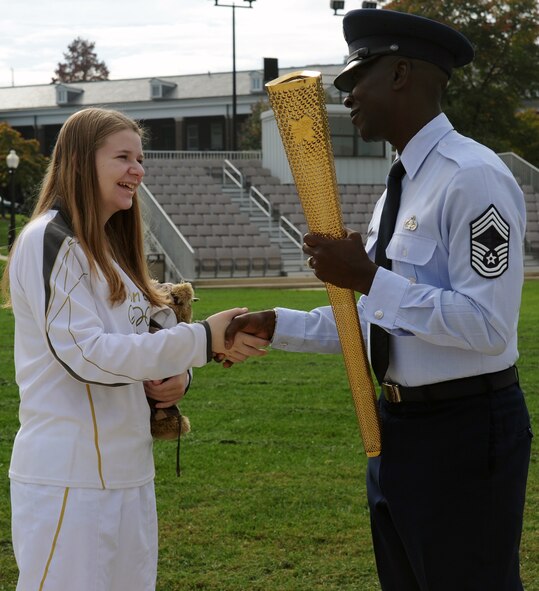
336,5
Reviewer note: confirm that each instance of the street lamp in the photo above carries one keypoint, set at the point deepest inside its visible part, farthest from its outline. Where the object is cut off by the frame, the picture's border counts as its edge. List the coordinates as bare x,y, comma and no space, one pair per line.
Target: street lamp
12,161
234,98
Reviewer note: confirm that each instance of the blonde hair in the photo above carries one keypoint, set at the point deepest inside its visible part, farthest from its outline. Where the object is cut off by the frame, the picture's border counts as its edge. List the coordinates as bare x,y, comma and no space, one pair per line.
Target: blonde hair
71,184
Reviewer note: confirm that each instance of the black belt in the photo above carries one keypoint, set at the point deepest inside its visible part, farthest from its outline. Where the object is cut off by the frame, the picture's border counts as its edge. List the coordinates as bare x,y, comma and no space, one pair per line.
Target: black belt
452,389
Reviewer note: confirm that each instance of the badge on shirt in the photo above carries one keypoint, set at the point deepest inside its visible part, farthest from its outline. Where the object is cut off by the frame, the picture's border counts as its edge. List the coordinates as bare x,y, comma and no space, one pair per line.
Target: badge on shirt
411,224
489,236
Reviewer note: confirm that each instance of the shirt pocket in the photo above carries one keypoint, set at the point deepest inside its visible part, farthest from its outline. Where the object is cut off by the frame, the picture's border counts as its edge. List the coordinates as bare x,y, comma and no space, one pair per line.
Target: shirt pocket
410,253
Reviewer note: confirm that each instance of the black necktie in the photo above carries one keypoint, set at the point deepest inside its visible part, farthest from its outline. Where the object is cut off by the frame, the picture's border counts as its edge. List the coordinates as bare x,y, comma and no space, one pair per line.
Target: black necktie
379,338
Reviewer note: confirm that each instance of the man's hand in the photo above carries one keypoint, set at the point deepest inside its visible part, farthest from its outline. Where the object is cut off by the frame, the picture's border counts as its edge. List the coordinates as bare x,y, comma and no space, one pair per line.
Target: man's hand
239,349
259,324
168,392
341,262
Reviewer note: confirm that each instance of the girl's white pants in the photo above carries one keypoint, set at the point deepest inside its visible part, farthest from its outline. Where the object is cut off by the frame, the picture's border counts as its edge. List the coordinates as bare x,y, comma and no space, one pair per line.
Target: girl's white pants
84,539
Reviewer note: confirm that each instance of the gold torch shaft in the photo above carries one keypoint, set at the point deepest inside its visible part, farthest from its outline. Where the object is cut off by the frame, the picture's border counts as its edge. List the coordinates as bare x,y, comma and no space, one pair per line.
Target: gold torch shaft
298,101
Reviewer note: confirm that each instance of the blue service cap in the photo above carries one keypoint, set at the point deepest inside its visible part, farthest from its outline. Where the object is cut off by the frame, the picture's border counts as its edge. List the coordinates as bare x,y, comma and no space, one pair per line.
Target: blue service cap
372,32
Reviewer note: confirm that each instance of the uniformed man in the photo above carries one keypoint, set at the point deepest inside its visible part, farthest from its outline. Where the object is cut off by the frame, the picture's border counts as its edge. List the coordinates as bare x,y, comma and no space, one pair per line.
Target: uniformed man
447,493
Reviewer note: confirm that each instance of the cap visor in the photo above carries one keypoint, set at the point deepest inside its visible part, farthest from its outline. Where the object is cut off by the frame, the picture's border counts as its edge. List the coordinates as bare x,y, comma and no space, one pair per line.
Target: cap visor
345,80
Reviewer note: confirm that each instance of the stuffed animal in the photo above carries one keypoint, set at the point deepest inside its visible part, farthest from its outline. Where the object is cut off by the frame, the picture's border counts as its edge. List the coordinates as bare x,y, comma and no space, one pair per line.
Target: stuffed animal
168,423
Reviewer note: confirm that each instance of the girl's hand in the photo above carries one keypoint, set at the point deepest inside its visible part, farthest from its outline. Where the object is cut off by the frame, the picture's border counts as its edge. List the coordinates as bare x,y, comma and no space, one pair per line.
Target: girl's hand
244,345
169,391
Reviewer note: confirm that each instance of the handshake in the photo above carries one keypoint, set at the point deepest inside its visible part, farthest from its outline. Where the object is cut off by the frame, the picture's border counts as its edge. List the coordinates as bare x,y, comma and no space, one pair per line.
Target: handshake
237,334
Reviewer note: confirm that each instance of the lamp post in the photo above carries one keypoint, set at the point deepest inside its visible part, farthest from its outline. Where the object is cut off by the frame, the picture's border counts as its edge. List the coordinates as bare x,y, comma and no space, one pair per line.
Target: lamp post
234,97
12,161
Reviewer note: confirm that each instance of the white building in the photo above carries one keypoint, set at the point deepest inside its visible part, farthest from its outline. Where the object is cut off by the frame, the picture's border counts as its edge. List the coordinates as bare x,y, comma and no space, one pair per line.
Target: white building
191,113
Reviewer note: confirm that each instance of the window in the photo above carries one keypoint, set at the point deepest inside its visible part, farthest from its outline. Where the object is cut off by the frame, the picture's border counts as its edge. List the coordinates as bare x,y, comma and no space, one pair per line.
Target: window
347,141
256,82
161,134
157,91
66,95
216,136
161,89
61,96
192,136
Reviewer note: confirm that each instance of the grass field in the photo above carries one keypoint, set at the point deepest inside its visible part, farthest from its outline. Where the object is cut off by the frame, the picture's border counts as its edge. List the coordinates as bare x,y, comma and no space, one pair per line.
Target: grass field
20,220
271,495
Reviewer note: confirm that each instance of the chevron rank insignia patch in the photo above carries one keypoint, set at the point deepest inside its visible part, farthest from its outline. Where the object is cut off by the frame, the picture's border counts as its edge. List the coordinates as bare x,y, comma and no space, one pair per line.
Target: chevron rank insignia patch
489,235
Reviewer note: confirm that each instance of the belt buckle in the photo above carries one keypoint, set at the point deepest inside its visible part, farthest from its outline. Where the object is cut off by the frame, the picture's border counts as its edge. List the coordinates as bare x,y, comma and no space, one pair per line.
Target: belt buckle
392,392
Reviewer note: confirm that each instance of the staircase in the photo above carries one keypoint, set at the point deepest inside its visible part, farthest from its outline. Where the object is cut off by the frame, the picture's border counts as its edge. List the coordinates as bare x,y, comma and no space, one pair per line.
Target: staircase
294,262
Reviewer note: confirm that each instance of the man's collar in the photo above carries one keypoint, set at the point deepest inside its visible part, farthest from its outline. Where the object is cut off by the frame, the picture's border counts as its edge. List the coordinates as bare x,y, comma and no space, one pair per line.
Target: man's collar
420,146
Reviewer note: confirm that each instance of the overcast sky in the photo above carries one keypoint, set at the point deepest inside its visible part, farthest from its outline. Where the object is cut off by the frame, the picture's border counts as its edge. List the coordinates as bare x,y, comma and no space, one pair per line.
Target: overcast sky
139,38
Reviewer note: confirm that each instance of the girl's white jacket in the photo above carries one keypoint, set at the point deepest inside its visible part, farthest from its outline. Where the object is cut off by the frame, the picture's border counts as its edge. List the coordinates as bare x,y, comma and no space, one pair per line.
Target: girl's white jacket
80,365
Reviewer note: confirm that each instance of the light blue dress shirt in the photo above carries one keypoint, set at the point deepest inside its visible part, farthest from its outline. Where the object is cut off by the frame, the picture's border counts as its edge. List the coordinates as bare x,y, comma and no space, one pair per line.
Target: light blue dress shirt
449,315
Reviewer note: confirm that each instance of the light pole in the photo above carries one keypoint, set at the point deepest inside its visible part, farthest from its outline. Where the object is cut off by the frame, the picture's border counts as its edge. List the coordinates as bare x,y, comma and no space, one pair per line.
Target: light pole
234,97
12,161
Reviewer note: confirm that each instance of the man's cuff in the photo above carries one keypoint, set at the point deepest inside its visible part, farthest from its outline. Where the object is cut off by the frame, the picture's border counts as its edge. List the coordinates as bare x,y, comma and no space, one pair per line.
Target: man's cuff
382,305
288,325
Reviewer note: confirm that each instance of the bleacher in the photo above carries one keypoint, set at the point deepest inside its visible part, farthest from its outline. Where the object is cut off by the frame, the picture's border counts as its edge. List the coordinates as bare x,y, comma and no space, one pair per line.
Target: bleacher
357,204
227,243
532,223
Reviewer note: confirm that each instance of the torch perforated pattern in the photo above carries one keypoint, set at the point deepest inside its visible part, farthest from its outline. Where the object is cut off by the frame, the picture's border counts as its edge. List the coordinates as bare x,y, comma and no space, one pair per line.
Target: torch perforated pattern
298,102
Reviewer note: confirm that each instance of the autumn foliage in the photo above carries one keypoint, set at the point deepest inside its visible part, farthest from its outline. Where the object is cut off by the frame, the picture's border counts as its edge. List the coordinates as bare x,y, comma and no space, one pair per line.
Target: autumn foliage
484,100
81,64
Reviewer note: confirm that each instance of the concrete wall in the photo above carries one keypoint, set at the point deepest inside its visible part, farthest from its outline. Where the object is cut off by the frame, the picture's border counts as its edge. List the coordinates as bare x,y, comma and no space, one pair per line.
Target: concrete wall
349,170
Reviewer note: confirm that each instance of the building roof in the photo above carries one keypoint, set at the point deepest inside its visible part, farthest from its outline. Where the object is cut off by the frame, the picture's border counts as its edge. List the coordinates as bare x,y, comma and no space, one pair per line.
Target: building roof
138,90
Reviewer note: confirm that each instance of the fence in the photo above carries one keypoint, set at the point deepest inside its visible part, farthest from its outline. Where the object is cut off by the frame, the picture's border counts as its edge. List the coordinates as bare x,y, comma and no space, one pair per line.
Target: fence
192,155
523,171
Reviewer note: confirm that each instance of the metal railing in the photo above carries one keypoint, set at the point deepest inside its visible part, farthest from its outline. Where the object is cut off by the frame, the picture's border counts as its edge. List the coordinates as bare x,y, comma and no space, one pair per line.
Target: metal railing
232,174
197,155
295,236
257,199
179,255
290,230
523,171
526,175
284,225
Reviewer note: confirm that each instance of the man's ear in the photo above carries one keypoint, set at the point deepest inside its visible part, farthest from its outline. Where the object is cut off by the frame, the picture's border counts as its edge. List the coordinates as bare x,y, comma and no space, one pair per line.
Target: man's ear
401,73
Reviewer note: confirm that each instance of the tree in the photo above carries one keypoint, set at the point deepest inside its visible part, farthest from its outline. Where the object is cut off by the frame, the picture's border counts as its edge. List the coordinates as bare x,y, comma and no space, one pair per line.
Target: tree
526,133
31,168
251,130
81,64
483,99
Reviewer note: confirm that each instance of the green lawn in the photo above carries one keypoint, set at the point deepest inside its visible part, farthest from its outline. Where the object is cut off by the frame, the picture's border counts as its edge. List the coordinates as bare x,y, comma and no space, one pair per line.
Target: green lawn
20,220
271,495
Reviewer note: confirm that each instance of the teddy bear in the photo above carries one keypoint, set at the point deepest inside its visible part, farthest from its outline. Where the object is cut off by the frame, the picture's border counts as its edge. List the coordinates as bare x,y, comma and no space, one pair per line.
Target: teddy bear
168,423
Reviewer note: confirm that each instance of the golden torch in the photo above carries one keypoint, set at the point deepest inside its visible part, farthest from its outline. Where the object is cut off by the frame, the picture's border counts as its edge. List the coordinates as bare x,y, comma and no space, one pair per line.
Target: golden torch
298,102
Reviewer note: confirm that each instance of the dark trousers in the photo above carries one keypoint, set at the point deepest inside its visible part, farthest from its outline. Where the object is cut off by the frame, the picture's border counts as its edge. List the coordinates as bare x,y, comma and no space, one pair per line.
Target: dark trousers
447,494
